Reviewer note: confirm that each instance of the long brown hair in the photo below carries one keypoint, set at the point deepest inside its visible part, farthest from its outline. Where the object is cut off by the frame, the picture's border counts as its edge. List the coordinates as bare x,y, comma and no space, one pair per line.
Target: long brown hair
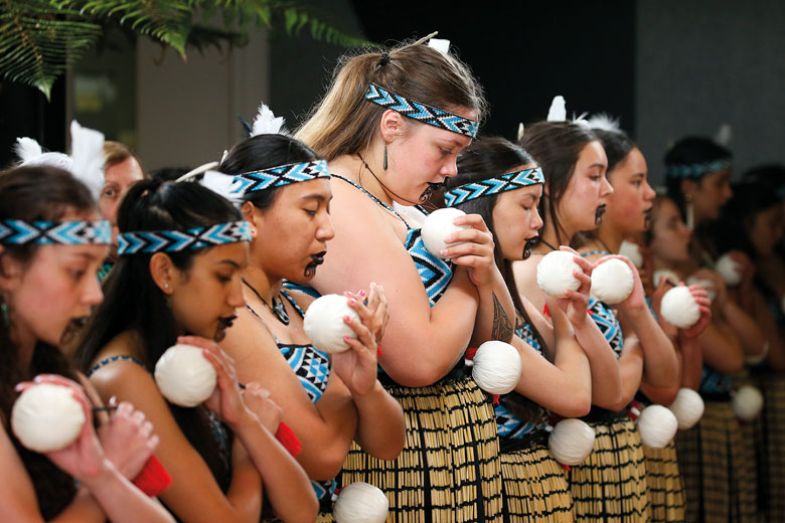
343,122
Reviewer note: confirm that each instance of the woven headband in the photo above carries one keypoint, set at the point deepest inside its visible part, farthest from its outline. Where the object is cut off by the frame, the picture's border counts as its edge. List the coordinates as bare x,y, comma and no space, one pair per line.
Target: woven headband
421,112
279,176
696,170
190,239
490,186
45,232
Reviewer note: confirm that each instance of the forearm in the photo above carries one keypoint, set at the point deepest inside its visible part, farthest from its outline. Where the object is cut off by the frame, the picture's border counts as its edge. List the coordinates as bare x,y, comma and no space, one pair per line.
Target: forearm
631,371
381,428
121,501
691,363
495,313
660,363
605,375
287,486
245,491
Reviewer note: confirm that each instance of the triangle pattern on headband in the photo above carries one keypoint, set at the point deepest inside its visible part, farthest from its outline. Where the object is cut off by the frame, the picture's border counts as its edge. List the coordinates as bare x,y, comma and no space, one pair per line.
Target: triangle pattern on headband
421,112
175,241
44,232
503,183
280,176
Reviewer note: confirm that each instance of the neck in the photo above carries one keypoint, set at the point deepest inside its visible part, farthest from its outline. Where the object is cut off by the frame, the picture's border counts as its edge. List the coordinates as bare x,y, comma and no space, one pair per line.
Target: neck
610,236
370,174
549,232
266,286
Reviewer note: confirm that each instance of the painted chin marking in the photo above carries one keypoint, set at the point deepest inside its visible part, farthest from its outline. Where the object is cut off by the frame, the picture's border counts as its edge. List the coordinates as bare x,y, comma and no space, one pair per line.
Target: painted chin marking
316,260
432,188
531,243
223,325
598,214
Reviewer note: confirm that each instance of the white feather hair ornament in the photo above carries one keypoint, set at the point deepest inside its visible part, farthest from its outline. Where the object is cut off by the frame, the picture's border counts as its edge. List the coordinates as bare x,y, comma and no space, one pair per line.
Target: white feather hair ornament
604,122
222,184
266,122
724,134
521,131
27,149
31,154
558,110
87,153
440,44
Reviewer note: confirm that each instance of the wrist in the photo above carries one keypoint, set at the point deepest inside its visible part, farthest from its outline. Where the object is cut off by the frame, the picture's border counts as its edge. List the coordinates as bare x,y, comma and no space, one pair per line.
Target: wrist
362,400
101,476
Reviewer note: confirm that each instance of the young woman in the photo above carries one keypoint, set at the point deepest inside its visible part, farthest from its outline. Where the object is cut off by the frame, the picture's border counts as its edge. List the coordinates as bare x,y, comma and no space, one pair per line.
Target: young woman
391,127
611,483
627,215
499,181
182,249
698,180
51,245
327,400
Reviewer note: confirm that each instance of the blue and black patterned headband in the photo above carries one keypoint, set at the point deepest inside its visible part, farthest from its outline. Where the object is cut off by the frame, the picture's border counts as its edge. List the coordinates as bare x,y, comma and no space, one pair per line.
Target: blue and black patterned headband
696,170
498,184
190,239
279,176
421,112
45,232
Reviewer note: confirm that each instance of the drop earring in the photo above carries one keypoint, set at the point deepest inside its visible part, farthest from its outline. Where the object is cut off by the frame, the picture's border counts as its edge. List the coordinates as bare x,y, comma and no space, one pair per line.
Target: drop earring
384,160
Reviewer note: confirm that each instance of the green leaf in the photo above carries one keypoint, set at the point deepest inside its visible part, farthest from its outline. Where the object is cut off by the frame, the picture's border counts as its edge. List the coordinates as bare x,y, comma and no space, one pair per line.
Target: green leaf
38,42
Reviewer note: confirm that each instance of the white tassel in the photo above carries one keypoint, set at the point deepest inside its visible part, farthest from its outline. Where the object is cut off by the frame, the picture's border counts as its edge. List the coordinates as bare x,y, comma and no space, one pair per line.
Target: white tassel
27,149
558,110
87,153
266,122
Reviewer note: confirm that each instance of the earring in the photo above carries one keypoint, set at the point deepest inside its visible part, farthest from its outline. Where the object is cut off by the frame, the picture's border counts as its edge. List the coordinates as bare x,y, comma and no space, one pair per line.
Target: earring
384,160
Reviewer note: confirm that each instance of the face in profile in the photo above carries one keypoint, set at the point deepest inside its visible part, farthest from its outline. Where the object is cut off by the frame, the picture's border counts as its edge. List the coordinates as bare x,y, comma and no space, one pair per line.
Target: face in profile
629,207
709,194
50,296
582,205
118,178
670,235
205,296
423,157
293,232
516,220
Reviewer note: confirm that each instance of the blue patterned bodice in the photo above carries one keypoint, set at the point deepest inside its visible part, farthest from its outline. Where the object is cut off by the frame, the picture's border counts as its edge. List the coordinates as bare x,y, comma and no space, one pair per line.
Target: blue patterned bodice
434,272
713,382
508,425
609,325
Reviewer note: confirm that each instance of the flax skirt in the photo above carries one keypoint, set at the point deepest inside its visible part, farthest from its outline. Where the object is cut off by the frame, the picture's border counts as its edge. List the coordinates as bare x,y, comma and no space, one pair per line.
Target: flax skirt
666,494
535,486
715,469
610,485
773,475
449,470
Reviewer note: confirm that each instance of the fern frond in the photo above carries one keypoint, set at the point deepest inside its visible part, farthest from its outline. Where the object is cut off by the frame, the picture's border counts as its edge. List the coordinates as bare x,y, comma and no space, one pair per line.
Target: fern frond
39,41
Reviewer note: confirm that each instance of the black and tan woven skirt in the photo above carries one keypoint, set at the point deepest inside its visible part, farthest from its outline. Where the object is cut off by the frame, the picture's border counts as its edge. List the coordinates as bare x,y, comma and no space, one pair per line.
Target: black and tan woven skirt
610,485
535,484
713,465
665,489
772,473
449,469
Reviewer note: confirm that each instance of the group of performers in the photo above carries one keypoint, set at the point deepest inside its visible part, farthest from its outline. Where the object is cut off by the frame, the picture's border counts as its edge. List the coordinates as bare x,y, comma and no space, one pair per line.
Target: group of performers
103,268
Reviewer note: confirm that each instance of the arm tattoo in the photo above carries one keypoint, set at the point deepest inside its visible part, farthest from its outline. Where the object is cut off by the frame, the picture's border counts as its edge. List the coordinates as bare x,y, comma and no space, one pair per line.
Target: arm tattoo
502,327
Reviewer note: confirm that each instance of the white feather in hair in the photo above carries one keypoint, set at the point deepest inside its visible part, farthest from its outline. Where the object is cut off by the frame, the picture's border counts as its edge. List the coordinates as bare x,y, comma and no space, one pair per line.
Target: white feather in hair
222,184
558,110
266,122
724,135
440,44
604,122
27,149
521,131
31,154
87,153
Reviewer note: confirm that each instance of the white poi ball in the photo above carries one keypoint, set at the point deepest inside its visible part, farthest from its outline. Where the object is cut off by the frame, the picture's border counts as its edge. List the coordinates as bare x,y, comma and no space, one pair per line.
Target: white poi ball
679,308
688,408
361,503
667,275
184,376
497,367
437,226
323,322
747,403
729,270
612,281
554,273
571,441
46,417
633,252
706,284
657,426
